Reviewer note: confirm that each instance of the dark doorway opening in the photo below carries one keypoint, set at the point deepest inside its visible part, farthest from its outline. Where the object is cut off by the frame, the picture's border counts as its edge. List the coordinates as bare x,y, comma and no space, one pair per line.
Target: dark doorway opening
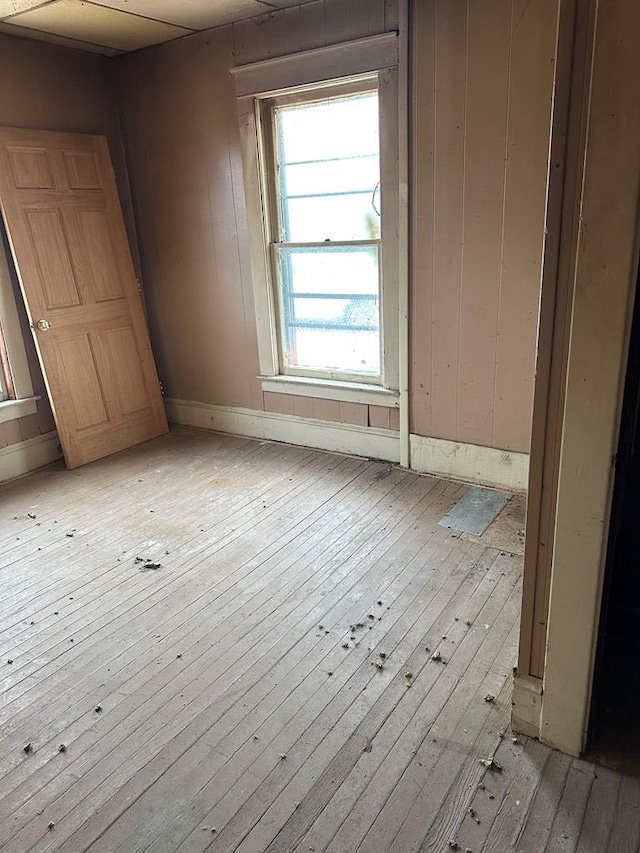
614,735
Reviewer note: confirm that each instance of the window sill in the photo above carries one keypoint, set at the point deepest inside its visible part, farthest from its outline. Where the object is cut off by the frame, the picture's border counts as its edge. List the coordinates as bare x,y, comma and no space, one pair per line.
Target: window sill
347,392
10,410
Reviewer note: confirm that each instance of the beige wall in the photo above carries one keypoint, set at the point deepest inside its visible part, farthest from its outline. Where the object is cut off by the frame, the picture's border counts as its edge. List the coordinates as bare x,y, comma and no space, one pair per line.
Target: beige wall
181,134
53,88
481,95
482,84
479,175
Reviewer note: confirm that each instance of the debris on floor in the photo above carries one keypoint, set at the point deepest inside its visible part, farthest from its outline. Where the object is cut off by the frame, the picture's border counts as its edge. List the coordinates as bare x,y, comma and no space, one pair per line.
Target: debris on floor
381,475
491,764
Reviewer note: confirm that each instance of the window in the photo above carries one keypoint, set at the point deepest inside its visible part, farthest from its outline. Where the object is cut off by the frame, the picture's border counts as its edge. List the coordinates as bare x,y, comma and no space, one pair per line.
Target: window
321,183
16,390
325,232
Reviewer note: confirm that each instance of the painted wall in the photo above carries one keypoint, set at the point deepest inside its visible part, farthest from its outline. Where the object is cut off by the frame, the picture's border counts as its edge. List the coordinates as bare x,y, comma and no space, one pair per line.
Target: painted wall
482,85
179,119
53,88
480,116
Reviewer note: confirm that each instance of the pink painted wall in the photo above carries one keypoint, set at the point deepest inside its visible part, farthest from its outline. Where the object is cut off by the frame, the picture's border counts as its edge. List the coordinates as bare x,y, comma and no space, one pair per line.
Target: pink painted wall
179,118
481,107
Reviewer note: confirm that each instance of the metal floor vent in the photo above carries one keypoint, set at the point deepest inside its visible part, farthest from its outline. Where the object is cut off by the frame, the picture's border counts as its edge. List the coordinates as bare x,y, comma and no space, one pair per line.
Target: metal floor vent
475,511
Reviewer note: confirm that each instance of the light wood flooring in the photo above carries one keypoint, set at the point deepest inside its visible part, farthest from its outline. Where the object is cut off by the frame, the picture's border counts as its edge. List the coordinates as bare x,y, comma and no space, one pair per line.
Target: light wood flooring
270,686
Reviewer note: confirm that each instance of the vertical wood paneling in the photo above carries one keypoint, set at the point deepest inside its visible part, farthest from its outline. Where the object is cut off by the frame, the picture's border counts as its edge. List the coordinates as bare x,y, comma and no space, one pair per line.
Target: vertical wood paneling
312,25
481,103
450,110
29,427
12,432
354,413
179,111
272,402
326,410
302,406
422,223
337,20
532,67
379,417
485,137
185,177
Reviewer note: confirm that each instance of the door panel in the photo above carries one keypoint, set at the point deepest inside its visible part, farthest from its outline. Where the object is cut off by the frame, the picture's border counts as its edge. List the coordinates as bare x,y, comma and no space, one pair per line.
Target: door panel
50,247
95,257
62,215
82,170
122,353
30,168
78,367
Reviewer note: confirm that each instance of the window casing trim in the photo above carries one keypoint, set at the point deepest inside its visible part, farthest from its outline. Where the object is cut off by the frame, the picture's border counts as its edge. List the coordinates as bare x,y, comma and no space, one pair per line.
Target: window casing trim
16,353
359,63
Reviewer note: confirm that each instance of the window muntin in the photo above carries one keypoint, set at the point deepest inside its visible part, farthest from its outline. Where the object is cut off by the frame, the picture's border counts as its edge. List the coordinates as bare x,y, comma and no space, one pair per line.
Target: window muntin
326,227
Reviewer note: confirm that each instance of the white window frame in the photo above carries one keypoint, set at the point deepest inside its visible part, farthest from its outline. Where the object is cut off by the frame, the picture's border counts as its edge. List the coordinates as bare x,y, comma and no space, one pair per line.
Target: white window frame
376,59
24,403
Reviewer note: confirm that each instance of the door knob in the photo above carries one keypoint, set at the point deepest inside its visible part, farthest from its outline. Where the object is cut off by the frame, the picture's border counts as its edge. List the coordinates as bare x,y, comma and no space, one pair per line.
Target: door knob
43,325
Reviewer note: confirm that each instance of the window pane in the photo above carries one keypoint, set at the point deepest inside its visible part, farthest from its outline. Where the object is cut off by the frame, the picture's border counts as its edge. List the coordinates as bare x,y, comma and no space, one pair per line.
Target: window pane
330,308
329,170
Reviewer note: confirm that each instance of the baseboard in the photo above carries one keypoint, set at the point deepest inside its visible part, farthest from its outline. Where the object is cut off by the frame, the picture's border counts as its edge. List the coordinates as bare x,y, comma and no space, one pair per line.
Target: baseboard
468,462
471,463
309,432
527,705
25,456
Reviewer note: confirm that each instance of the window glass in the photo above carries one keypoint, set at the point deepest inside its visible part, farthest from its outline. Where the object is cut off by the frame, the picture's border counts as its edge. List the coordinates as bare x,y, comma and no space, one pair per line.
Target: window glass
330,308
327,180
328,165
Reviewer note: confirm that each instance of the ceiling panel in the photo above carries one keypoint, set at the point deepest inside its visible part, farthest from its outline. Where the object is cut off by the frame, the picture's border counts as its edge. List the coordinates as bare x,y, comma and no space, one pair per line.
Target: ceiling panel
11,7
88,22
49,38
195,14
114,26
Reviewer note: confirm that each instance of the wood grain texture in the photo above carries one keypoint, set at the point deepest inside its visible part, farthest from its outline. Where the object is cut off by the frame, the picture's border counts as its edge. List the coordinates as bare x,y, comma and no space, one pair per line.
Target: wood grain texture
67,235
50,87
234,705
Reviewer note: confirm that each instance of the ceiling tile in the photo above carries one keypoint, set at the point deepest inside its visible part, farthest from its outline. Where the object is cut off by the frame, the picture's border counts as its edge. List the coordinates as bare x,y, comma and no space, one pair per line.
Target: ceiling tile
196,14
89,22
49,38
12,7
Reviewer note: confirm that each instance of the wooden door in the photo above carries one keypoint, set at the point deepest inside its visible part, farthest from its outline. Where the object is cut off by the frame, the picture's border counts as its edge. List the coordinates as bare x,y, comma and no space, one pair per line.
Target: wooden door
62,214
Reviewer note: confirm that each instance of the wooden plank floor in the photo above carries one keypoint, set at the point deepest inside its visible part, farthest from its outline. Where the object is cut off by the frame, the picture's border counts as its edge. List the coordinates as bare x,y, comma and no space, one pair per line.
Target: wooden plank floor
270,686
